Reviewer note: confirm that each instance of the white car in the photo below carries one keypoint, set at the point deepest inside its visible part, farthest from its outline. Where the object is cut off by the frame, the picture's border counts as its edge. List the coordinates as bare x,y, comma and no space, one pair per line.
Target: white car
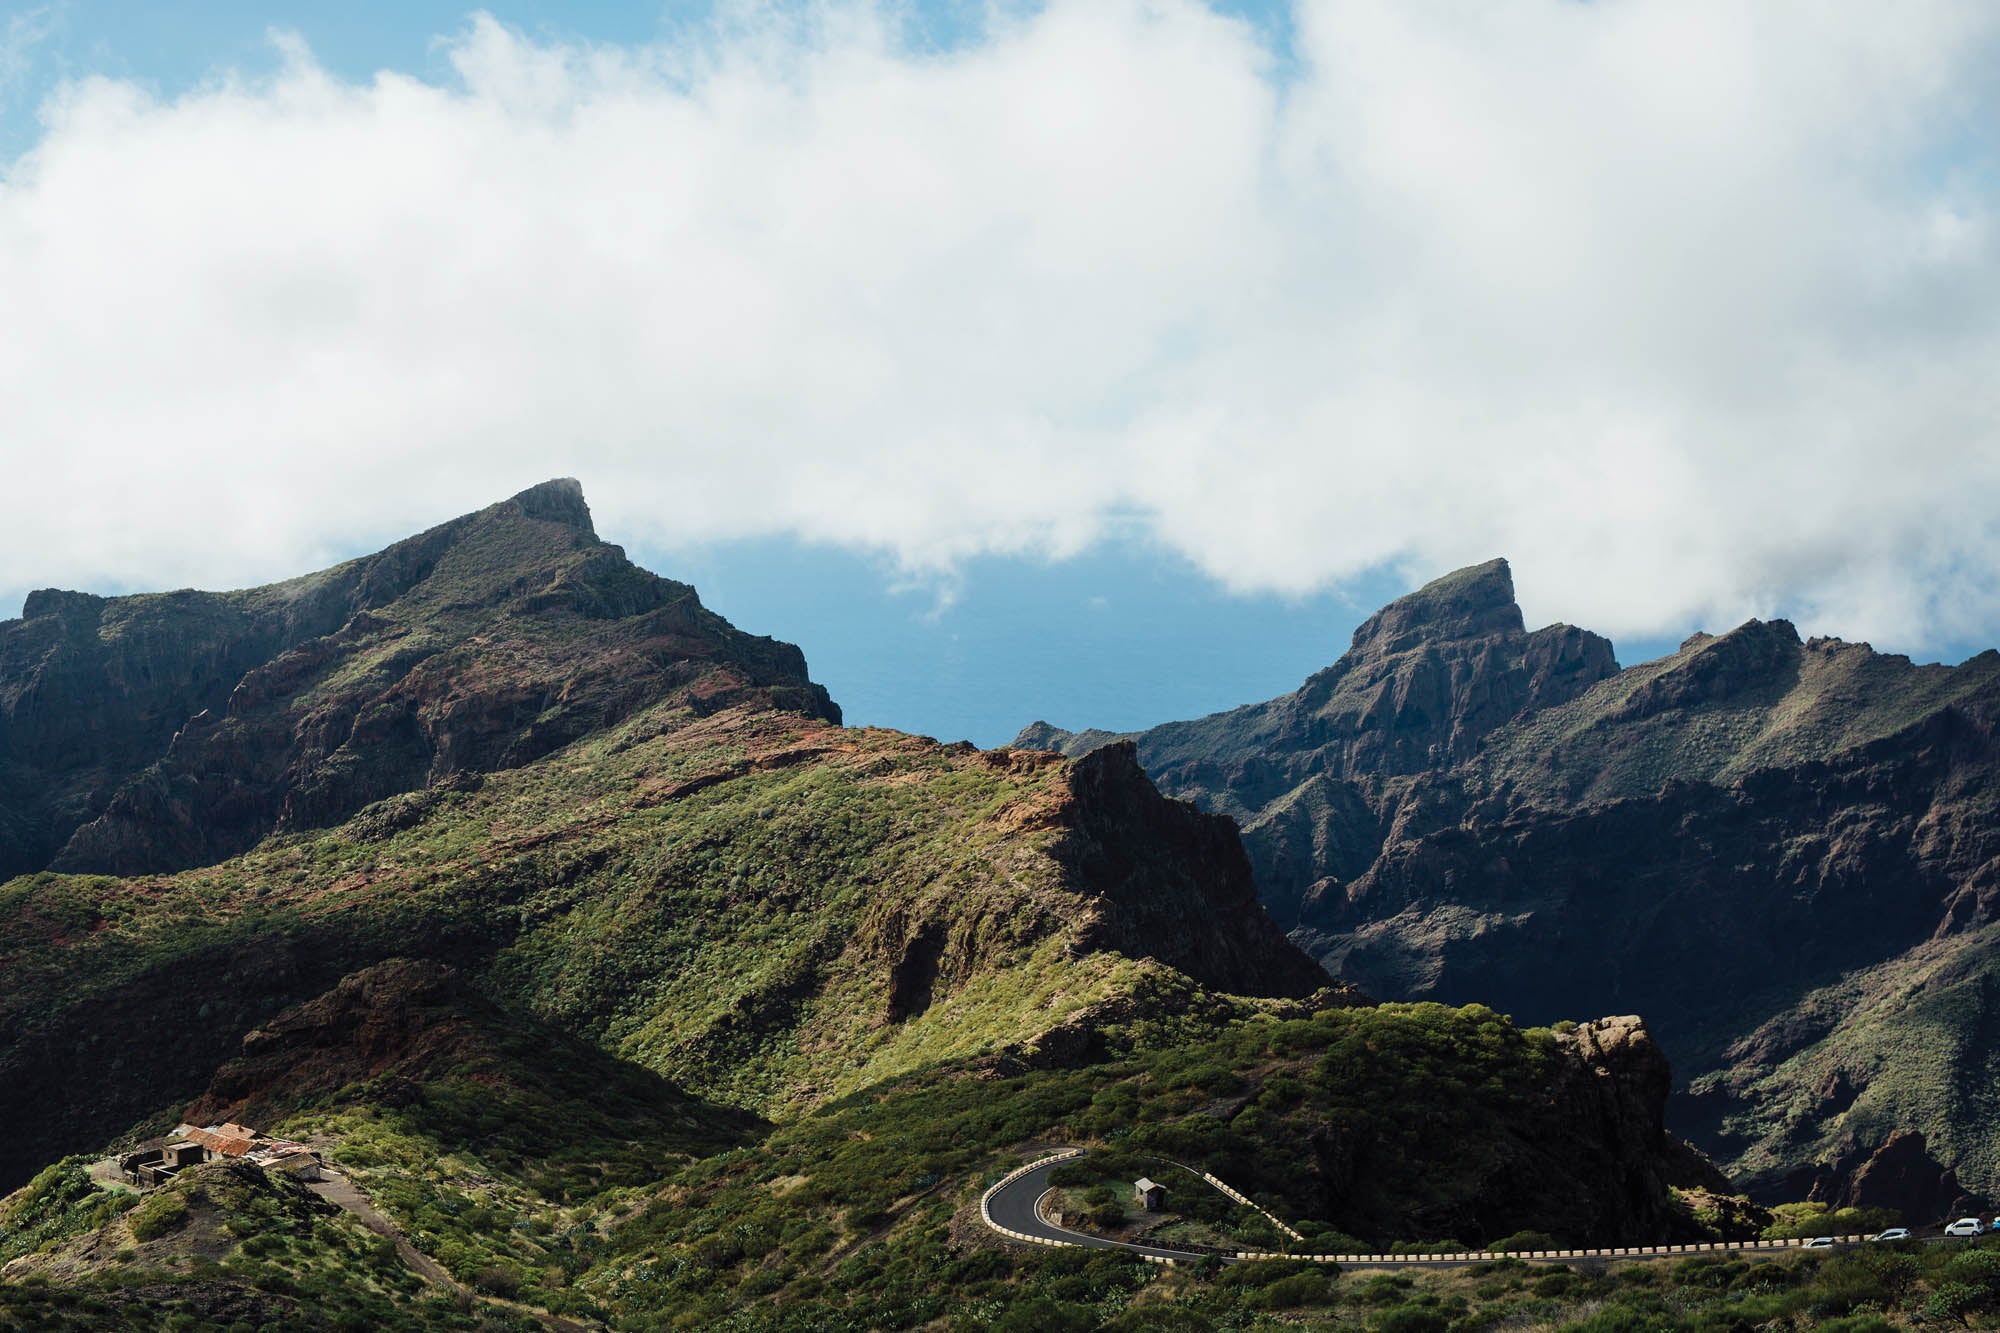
1966,1226
1893,1233
1818,1243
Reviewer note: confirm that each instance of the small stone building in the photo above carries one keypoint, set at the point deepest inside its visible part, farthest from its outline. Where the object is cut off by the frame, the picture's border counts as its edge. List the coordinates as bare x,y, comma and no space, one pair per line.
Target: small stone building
152,1167
1151,1196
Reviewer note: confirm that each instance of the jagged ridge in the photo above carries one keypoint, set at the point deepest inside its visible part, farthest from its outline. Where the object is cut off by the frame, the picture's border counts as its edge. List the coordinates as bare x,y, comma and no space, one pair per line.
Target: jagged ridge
1781,851
168,730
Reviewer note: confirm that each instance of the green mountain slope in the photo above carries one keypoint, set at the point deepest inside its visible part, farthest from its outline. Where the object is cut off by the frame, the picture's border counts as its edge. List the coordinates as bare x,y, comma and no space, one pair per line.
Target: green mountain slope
537,1171
626,818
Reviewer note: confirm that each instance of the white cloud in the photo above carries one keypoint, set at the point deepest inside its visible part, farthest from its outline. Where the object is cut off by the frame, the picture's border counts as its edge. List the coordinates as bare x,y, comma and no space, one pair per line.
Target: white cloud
1690,307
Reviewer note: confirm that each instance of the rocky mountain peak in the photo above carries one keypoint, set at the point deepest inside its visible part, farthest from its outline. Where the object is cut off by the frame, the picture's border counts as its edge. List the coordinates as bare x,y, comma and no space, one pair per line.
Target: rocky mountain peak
159,731
557,501
1432,674
1475,602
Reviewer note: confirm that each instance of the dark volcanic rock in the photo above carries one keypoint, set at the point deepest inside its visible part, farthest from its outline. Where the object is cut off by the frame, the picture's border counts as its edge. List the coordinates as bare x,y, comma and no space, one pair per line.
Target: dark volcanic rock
1175,883
1611,1103
1899,1174
1427,678
157,732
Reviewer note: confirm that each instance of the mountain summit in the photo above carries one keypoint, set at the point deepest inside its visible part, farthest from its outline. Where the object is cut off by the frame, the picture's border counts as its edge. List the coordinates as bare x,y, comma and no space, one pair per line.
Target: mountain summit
1427,678
166,730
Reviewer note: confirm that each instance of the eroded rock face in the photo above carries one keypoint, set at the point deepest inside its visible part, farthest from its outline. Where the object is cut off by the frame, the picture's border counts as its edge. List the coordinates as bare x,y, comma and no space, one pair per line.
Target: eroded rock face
1615,1097
1152,878
1586,1157
1174,882
1899,1173
1427,679
152,733
402,1014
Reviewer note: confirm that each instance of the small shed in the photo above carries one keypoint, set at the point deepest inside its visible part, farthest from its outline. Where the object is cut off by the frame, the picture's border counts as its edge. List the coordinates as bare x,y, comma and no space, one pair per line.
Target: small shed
301,1165
1150,1195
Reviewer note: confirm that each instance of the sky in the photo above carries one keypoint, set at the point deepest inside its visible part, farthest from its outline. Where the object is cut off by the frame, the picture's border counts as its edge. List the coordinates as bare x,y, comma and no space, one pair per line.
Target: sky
1097,360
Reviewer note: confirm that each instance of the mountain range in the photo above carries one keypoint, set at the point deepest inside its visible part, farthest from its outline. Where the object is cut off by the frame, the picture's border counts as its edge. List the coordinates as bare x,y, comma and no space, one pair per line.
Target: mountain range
615,982
1783,852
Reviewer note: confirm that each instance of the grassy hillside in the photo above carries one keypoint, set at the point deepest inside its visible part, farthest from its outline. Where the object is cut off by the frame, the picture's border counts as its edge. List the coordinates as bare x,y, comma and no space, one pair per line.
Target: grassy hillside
535,1177
772,910
222,1247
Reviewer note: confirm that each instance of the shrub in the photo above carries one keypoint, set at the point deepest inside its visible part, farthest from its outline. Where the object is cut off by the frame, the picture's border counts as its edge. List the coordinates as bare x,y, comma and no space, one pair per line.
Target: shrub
1385,1289
1860,1323
1955,1302
159,1215
1159,1319
1411,1319
1046,1316
1616,1319
1524,1241
1804,1221
1299,1289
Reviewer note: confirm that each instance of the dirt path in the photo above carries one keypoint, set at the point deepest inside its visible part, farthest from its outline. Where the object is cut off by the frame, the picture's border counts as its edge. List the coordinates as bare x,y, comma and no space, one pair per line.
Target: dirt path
338,1189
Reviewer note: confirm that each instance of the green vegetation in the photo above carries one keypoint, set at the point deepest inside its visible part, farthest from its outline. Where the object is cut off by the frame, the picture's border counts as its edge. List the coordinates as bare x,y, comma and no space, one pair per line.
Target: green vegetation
1803,1221
676,1011
1098,1189
852,1216
57,1204
768,910
221,1247
983,1289
162,1213
488,1149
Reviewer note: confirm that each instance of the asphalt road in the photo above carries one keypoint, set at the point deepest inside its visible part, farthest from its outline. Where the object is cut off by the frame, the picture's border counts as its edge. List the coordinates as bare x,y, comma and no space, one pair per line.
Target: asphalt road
1013,1207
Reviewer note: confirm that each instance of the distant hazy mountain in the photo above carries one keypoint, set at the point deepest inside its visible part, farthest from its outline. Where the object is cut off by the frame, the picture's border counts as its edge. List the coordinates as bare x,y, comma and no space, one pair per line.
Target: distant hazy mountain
1785,854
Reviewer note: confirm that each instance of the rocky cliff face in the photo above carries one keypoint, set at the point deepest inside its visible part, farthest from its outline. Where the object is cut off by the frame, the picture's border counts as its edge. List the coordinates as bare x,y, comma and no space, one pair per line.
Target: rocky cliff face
1555,1132
1782,852
1166,875
1900,1174
1612,1095
1427,679
157,732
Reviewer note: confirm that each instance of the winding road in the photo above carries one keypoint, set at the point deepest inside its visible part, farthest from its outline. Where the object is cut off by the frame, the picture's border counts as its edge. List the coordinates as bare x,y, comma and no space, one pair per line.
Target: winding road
1011,1207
